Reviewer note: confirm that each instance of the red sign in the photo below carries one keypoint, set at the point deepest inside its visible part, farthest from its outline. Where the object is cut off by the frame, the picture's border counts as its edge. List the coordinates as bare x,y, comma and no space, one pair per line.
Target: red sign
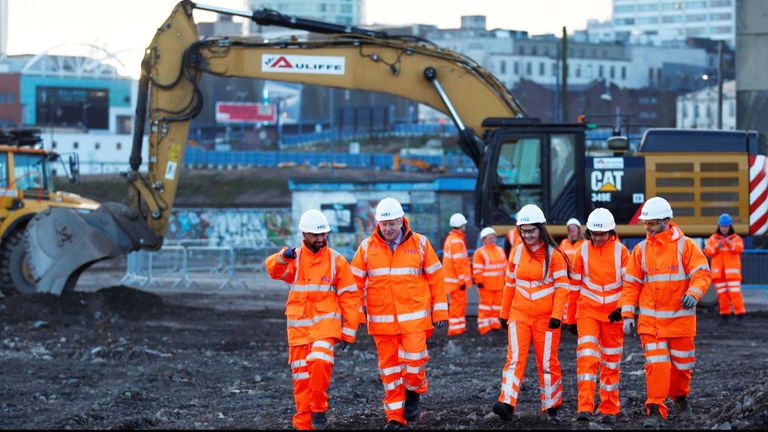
243,112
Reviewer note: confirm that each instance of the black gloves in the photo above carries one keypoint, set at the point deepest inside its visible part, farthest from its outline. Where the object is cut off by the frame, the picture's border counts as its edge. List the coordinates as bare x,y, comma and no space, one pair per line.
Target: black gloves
441,324
480,285
615,316
290,253
554,323
572,329
504,323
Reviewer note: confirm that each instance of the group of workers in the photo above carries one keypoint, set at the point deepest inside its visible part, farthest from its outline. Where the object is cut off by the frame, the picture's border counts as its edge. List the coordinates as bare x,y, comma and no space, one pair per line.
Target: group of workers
591,286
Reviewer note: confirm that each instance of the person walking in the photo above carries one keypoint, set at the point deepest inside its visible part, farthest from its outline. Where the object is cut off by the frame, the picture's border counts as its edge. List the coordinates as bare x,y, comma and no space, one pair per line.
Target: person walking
322,310
724,247
598,269
457,273
667,274
489,263
532,305
405,295
570,245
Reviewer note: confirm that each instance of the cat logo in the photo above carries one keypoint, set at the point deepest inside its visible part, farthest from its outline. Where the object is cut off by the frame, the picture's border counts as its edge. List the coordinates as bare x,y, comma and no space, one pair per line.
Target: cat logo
606,181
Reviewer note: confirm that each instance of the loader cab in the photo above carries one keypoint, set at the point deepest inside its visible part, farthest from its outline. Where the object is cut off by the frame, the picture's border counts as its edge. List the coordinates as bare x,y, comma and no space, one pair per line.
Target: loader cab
528,162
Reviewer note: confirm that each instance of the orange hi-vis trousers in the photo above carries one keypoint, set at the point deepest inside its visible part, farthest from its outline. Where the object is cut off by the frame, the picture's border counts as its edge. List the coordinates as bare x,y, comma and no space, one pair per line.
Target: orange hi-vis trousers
457,312
311,368
402,365
488,310
599,345
729,294
668,364
546,342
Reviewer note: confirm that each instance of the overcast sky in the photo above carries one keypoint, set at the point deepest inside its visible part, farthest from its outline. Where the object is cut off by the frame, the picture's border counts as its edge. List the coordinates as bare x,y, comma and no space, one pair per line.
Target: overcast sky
126,27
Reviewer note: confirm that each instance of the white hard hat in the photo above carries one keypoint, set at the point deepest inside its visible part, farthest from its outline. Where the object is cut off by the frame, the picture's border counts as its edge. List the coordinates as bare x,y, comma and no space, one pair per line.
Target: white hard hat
486,232
656,208
573,221
530,214
315,222
389,209
458,220
600,220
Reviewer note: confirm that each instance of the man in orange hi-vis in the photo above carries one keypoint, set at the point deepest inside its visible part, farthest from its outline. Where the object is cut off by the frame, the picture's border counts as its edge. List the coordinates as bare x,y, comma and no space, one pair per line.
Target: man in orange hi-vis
598,269
666,275
457,274
489,265
725,248
323,291
512,240
532,305
570,245
404,297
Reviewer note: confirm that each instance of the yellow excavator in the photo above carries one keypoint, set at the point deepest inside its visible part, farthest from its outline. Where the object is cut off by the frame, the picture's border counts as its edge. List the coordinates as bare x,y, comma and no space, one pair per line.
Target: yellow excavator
520,160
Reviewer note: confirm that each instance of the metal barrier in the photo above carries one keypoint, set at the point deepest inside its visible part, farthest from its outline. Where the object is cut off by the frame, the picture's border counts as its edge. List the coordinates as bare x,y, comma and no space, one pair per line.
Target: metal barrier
754,268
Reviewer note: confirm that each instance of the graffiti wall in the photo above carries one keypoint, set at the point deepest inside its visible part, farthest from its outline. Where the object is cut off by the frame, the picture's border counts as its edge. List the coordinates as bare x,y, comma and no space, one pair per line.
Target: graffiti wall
238,228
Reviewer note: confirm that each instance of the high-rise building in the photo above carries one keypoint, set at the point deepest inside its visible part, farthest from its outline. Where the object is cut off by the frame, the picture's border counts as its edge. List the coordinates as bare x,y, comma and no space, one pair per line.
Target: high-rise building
348,12
670,22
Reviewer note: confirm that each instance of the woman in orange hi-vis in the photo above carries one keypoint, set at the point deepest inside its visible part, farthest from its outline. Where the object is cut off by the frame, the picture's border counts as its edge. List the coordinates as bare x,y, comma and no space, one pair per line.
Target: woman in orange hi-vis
532,305
457,274
725,248
323,292
598,271
666,276
489,265
404,296
570,245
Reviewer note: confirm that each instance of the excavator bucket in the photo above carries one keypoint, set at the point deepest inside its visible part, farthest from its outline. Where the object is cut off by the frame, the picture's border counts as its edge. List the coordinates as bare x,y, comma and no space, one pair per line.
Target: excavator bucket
62,243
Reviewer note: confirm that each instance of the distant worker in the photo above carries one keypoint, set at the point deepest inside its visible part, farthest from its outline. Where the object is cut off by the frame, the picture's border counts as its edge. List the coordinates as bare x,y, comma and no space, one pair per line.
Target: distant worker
512,240
532,305
405,296
598,270
667,274
725,248
457,273
570,245
489,266
323,309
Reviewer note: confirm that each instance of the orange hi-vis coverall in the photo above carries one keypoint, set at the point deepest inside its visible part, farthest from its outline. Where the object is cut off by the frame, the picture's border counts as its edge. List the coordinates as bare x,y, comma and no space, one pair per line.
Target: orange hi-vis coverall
404,296
533,294
457,274
513,240
570,249
597,279
726,271
660,271
323,291
489,264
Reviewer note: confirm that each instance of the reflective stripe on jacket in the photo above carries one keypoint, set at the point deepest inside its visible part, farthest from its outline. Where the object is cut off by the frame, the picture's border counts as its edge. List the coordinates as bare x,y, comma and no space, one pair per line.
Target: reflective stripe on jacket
597,280
489,265
726,260
532,291
660,271
323,292
456,268
404,289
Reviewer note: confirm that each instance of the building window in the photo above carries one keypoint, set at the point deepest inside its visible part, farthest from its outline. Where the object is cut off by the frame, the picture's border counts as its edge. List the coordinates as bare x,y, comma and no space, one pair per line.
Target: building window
720,17
732,109
541,69
554,69
75,145
578,71
10,98
623,72
97,146
600,71
708,111
503,67
123,124
529,68
516,67
53,145
695,111
719,3
534,50
685,110
613,72
119,146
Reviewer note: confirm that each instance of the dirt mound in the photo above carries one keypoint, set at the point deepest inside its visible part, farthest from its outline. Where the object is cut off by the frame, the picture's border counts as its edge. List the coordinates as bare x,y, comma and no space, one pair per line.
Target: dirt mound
748,410
124,302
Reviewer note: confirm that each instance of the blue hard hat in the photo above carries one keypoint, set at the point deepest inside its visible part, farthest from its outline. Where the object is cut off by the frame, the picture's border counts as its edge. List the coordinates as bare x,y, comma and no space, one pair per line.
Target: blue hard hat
725,220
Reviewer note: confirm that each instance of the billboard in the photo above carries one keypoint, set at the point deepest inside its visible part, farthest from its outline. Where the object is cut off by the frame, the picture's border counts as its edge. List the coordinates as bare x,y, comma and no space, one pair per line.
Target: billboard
245,112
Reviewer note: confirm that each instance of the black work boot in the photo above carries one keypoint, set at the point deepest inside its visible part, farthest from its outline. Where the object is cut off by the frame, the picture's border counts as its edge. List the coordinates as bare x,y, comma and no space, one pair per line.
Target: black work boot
723,321
411,405
505,411
654,418
554,414
583,416
683,409
394,425
608,419
319,420
740,317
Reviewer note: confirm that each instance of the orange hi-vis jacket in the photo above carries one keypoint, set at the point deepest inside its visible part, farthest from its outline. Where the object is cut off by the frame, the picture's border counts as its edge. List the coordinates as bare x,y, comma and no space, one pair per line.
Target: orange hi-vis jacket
456,268
489,264
660,271
571,249
726,260
532,291
597,279
323,291
513,238
404,288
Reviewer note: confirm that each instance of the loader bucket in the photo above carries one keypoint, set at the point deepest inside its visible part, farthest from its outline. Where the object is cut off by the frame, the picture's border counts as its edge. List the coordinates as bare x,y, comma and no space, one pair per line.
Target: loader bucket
63,242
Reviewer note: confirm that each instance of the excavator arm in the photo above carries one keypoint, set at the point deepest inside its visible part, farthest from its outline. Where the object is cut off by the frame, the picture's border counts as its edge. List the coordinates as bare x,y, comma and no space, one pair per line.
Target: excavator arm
62,244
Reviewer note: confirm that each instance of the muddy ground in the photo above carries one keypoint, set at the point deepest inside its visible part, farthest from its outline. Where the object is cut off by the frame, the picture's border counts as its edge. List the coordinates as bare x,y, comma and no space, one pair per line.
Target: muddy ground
121,358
